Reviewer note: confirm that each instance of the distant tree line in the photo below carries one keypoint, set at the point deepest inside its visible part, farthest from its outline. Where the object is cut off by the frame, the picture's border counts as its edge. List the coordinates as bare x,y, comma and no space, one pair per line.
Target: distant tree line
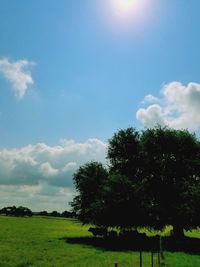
24,211
152,180
16,211
65,214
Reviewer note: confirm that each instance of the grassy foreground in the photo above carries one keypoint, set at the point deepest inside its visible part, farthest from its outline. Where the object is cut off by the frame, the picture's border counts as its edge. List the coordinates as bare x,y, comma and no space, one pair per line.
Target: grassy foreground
38,241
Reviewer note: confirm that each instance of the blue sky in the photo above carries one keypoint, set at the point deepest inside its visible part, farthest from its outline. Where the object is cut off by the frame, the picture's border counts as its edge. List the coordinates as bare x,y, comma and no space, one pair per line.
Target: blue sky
79,71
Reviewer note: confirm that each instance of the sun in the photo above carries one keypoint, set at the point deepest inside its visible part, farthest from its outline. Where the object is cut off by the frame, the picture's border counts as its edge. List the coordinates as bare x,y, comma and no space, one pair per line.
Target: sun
126,14
125,7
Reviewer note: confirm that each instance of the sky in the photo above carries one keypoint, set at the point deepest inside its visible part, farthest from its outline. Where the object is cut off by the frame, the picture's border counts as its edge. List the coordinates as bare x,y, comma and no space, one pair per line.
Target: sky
72,73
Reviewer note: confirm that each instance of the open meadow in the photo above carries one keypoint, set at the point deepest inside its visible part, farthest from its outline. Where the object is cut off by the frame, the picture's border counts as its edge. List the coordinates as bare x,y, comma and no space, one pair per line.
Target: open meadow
55,242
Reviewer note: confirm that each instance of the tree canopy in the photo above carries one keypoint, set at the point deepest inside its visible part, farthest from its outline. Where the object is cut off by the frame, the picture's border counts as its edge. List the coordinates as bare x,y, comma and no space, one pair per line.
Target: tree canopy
152,180
89,182
172,177
16,211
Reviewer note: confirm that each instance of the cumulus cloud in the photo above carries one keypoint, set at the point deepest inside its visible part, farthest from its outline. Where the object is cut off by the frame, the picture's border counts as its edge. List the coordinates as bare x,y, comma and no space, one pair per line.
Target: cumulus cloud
17,74
150,99
178,107
39,173
151,115
47,170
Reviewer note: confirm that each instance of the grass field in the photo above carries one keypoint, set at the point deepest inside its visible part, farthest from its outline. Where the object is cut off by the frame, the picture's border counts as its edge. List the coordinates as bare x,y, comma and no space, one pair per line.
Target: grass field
38,241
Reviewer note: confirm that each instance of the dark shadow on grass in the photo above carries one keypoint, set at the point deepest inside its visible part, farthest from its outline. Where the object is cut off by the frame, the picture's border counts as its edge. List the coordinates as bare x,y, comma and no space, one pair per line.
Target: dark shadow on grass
186,244
116,244
189,245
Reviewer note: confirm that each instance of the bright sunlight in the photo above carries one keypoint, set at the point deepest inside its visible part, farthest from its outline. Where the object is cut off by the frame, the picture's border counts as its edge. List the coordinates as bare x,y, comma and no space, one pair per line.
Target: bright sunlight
124,8
125,12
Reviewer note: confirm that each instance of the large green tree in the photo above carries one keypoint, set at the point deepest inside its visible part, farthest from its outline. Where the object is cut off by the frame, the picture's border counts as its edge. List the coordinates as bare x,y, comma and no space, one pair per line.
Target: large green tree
127,203
124,153
172,177
153,180
122,205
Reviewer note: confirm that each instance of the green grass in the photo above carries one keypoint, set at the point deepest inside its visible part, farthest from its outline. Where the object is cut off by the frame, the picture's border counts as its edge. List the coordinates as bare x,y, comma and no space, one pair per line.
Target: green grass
39,242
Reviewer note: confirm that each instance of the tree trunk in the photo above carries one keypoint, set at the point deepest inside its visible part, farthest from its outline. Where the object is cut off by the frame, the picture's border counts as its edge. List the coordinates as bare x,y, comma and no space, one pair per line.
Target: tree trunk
178,231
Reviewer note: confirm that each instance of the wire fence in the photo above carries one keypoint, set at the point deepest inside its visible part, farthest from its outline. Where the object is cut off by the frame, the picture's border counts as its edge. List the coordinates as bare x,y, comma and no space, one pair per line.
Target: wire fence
155,259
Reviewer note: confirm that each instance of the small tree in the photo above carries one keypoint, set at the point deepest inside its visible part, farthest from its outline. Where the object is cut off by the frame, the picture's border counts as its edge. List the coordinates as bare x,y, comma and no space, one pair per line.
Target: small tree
89,182
43,213
55,213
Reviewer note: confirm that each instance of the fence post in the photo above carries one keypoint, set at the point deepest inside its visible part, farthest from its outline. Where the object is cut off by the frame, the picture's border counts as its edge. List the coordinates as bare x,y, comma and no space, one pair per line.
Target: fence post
161,248
158,258
152,259
140,258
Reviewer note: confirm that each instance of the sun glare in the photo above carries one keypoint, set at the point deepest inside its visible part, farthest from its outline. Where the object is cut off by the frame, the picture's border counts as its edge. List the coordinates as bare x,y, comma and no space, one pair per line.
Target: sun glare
125,11
125,5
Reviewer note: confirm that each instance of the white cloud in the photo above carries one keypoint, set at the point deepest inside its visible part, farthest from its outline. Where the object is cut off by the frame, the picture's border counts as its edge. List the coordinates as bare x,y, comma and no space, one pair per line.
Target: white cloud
69,166
39,175
17,74
150,116
40,197
47,170
30,190
179,107
150,99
